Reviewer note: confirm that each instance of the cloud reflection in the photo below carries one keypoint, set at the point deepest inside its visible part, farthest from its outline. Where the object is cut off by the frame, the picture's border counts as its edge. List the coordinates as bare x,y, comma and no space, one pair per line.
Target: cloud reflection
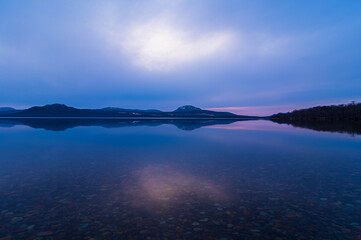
158,185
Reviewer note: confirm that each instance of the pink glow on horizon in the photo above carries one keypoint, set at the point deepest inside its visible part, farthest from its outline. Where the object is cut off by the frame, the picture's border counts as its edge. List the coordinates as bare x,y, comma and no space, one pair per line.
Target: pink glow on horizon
257,110
270,110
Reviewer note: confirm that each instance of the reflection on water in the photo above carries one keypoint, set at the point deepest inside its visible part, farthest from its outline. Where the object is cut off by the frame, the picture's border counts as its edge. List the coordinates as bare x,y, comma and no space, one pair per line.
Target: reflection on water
263,181
350,127
161,185
61,124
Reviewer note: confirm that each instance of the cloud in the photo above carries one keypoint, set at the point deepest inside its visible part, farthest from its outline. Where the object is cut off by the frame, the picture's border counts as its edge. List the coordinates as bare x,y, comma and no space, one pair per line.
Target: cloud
159,45
166,37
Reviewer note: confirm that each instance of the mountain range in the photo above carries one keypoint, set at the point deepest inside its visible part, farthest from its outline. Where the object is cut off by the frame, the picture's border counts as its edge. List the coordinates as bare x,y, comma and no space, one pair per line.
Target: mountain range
61,110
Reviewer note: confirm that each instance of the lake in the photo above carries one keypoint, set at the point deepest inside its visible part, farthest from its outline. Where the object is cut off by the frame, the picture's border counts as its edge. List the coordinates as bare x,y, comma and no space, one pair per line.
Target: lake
177,180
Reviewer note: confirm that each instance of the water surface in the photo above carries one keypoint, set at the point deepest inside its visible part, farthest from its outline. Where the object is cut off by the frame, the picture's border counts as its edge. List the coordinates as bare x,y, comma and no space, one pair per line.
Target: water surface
231,180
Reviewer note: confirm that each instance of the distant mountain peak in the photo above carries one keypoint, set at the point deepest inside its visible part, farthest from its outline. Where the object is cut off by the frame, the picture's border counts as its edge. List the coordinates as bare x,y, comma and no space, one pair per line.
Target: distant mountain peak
56,105
53,107
187,108
6,109
61,110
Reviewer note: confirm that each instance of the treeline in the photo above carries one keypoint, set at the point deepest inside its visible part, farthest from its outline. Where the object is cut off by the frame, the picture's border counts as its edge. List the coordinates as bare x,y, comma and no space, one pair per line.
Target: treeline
347,112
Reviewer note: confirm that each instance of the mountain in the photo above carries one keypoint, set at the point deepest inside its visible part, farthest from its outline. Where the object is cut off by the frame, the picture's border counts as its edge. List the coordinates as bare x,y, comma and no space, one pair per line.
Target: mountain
189,111
7,111
61,110
53,110
187,108
2,109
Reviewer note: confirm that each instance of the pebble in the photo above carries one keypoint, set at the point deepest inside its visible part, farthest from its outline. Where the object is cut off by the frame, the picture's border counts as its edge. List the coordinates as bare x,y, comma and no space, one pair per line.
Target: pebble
16,219
47,233
30,227
85,225
196,224
262,213
7,238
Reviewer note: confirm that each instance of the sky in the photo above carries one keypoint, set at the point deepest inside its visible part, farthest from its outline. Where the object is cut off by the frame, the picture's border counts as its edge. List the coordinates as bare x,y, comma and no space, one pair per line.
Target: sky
249,57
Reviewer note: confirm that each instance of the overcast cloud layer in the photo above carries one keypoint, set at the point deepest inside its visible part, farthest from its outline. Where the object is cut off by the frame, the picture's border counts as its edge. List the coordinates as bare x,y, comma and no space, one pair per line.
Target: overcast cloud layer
247,55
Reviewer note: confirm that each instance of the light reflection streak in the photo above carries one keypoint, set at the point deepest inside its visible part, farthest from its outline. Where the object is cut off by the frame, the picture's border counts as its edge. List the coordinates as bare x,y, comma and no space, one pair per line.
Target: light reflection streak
256,125
159,185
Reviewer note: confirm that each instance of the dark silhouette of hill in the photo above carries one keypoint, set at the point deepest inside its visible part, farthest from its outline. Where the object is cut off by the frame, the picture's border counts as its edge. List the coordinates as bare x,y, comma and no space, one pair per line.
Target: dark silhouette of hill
61,124
336,118
331,113
61,110
7,111
2,109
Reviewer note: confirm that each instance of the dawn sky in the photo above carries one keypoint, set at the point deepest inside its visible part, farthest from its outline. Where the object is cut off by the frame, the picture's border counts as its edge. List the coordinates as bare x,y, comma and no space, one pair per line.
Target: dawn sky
249,57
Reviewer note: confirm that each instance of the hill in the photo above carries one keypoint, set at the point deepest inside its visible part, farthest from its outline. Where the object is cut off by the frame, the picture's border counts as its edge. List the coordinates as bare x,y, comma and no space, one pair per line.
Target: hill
347,112
7,111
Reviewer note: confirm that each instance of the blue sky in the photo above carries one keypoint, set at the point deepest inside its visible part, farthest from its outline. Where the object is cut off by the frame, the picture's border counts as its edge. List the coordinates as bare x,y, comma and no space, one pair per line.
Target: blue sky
254,57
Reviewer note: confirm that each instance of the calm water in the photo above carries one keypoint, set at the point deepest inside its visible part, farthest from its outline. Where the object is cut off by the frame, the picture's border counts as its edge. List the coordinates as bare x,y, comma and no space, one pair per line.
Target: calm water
241,180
